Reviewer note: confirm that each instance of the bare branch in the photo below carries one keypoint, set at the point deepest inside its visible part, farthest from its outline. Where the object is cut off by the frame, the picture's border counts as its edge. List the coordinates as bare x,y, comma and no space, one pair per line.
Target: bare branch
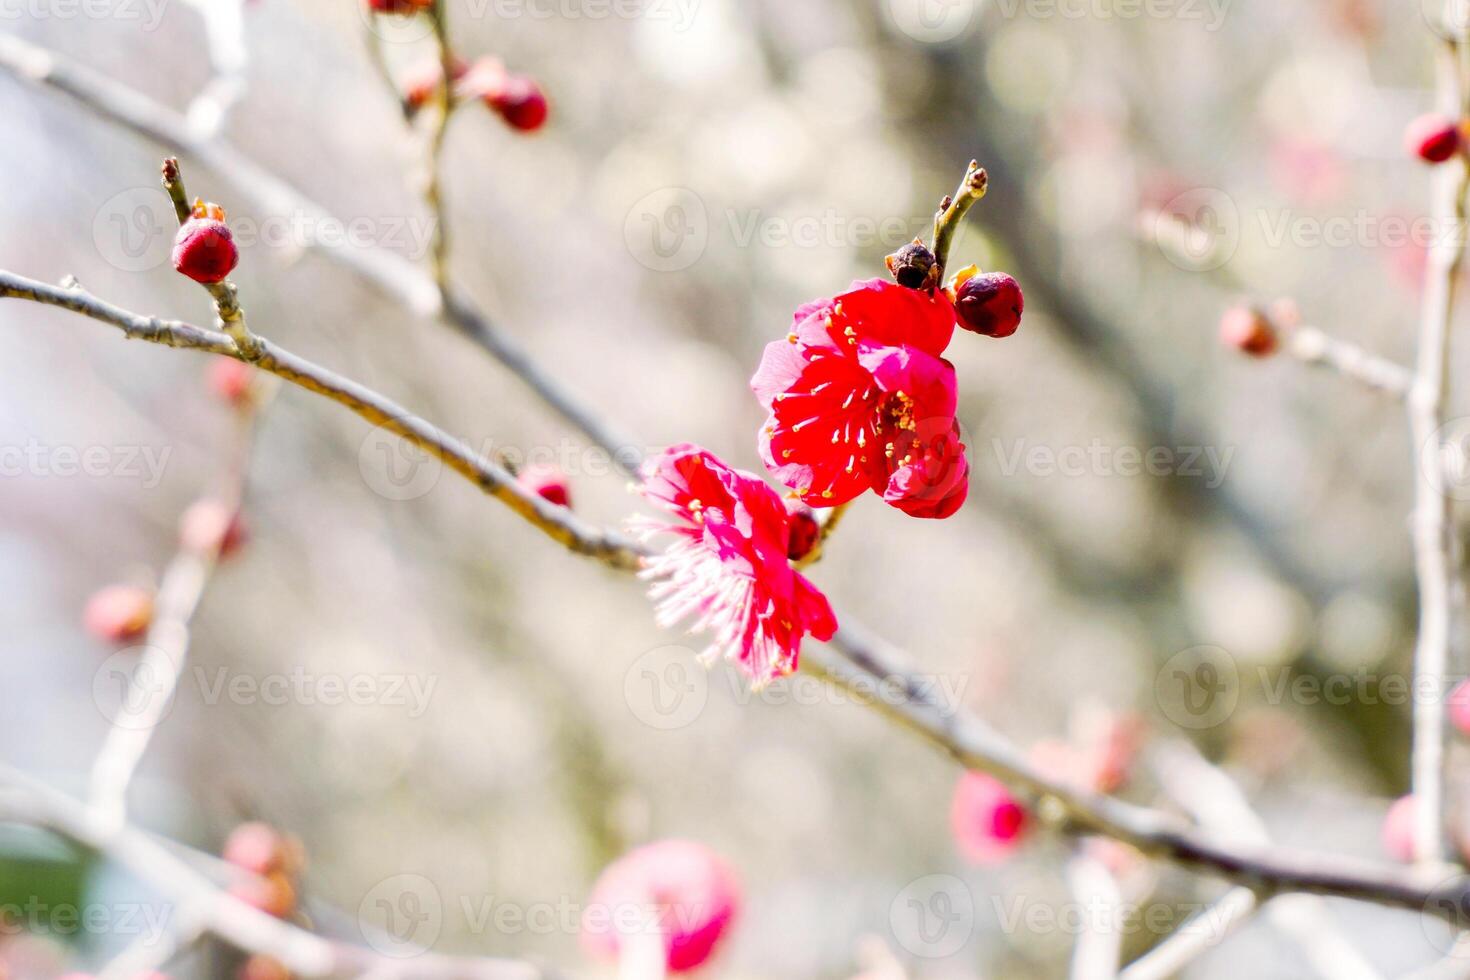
558,523
1432,504
387,271
1312,346
26,800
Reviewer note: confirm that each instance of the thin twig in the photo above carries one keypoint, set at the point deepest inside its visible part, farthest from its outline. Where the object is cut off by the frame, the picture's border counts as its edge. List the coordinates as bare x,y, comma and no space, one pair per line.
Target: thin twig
1217,802
952,211
856,662
27,800
1100,943
1312,346
558,523
439,127
387,271
1432,504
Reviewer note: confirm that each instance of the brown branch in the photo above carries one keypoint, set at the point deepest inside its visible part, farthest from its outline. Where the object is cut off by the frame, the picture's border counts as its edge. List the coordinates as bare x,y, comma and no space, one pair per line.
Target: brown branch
856,663
391,273
558,523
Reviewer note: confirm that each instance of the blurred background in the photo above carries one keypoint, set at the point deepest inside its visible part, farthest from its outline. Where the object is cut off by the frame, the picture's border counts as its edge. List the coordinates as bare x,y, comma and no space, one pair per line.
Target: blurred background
708,166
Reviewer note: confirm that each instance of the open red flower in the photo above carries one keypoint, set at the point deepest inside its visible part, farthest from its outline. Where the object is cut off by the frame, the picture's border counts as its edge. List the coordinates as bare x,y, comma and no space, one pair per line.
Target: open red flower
861,399
727,565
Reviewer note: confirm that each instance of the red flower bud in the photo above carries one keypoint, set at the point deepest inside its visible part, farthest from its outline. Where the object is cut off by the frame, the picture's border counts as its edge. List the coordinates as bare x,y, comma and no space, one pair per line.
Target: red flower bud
260,849
521,103
272,894
547,482
989,303
211,527
517,98
802,530
204,249
1432,137
231,380
399,6
1248,330
119,613
987,821
420,82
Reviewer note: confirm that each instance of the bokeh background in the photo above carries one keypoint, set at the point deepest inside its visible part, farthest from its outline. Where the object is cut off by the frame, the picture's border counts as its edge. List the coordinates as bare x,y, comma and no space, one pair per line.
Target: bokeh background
709,165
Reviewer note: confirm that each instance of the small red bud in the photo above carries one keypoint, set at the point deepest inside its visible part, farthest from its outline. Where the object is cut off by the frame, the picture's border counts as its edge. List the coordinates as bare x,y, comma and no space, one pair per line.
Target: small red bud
989,303
211,527
399,6
802,530
521,103
420,82
1248,330
517,98
204,249
260,849
119,613
1433,138
547,482
272,894
231,380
